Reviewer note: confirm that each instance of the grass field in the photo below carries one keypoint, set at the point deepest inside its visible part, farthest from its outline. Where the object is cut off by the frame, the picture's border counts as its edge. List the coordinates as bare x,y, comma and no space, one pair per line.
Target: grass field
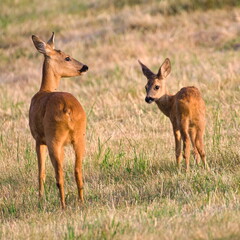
132,187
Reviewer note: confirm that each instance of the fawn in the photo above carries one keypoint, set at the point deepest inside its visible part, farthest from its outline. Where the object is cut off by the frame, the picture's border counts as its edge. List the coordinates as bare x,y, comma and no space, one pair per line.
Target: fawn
57,118
185,109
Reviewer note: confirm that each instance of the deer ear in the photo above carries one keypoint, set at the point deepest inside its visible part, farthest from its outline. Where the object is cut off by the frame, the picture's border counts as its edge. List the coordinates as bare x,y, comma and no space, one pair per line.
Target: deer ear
146,71
51,41
165,69
41,46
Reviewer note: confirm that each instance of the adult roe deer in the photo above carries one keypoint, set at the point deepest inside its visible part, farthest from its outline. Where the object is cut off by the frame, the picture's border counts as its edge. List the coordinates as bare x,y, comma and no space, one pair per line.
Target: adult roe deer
57,118
185,109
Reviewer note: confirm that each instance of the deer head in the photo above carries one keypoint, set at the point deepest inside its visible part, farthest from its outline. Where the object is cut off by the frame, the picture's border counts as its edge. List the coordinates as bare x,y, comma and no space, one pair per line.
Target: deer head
156,85
61,64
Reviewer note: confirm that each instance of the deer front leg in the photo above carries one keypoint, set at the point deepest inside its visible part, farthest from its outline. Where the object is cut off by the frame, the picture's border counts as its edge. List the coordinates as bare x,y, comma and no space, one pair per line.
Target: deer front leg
177,136
41,155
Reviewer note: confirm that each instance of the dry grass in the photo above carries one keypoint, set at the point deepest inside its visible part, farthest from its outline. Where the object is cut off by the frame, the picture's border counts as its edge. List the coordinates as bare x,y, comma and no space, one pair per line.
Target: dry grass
132,187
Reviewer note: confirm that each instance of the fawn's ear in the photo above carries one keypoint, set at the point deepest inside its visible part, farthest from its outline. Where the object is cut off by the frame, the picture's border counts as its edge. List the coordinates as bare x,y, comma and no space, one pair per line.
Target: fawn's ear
165,69
41,46
146,71
51,41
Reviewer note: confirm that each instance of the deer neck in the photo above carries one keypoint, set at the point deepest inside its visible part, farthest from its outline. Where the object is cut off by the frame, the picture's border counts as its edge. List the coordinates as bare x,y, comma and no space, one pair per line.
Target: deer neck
50,80
165,104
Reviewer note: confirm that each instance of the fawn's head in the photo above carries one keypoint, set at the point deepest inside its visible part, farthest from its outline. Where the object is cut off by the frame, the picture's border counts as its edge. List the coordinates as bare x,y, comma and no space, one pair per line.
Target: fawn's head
61,63
155,87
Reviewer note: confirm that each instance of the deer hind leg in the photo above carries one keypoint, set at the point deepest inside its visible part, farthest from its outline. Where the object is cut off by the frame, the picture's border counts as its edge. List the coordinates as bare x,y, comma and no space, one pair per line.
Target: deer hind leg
200,147
193,133
79,148
186,141
56,155
178,151
41,155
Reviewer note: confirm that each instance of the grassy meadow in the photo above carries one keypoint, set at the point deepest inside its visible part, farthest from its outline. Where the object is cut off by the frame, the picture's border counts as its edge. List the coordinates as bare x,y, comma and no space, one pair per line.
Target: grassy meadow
132,187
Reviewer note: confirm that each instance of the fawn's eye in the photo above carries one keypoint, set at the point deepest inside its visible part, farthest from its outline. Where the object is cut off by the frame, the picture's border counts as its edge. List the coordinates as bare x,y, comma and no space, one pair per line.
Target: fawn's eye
68,59
156,87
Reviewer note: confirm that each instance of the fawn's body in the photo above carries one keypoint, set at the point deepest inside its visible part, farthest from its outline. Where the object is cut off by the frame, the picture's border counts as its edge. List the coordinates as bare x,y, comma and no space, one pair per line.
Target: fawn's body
185,109
57,118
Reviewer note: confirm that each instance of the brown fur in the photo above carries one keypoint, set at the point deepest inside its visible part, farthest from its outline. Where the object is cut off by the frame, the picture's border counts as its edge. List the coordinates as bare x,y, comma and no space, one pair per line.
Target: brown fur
57,118
185,109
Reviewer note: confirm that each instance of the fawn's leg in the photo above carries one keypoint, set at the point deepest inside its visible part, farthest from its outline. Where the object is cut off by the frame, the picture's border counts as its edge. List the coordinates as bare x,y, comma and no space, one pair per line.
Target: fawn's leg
56,154
178,151
186,141
41,155
79,147
200,147
193,133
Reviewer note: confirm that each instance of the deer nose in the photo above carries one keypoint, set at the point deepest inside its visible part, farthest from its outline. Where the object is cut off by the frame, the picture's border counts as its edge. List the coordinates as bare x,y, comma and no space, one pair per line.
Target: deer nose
149,99
84,68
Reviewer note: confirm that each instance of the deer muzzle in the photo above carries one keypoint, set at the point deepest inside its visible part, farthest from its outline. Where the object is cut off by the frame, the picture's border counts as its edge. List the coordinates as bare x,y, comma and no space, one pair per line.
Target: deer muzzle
83,69
149,99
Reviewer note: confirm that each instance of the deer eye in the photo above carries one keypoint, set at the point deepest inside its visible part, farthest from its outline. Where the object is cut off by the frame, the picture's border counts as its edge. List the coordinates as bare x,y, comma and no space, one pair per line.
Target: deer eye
67,59
156,87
